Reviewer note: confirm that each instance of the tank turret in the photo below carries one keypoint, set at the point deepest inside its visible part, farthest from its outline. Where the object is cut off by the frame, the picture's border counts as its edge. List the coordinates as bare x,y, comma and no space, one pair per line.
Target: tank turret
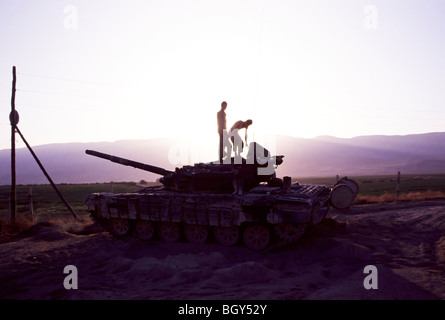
258,167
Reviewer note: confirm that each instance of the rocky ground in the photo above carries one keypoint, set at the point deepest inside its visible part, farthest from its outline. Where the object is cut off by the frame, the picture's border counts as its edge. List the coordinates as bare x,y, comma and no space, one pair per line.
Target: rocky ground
405,242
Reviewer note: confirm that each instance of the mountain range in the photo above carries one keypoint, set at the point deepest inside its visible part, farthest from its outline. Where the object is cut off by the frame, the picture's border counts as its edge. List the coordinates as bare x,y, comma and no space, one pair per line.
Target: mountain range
321,156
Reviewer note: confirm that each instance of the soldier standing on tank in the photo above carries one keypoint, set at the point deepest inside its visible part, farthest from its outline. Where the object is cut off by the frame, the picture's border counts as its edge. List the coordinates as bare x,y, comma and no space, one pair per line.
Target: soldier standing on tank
222,126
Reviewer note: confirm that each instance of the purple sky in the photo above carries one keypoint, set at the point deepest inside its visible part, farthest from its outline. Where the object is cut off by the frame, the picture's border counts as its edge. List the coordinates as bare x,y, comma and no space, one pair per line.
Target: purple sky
110,70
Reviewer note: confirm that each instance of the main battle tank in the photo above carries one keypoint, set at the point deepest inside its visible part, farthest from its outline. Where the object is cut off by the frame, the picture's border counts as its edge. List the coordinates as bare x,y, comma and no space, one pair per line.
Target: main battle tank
198,203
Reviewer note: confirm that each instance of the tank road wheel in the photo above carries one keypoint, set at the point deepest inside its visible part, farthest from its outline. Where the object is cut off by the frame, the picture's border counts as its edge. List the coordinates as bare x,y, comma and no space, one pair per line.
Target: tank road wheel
195,233
169,231
120,227
227,236
256,236
144,229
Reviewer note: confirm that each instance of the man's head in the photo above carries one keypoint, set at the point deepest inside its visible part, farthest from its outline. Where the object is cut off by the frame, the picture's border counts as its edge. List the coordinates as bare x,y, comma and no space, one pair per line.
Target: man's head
223,105
248,123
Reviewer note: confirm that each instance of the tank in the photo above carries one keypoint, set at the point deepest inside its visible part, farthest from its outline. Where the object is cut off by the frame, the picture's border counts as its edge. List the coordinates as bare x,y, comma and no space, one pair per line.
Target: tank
206,202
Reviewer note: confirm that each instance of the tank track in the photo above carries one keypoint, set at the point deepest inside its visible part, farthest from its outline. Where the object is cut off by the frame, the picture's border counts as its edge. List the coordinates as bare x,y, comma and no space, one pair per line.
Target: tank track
283,234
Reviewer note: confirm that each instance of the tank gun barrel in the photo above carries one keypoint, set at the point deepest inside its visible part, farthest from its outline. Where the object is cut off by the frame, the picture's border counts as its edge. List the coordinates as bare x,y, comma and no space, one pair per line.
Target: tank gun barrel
131,163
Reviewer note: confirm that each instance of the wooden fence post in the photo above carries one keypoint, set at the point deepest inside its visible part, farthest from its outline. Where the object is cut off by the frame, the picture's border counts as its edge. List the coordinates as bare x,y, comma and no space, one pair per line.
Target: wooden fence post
398,187
31,206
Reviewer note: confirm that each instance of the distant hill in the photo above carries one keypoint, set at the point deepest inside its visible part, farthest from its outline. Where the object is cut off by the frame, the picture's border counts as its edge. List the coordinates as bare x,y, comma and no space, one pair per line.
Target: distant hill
68,163
419,153
321,156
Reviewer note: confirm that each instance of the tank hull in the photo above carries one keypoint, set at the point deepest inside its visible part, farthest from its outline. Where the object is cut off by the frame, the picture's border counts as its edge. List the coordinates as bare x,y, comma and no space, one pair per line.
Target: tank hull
263,217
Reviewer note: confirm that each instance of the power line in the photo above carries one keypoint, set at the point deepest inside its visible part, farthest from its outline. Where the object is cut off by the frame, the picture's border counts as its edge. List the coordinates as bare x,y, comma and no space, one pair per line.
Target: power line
59,107
58,79
50,77
59,94
61,79
74,80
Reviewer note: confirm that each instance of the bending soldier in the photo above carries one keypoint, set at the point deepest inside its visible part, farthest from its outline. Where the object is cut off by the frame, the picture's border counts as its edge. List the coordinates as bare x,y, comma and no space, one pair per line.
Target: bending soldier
239,168
237,141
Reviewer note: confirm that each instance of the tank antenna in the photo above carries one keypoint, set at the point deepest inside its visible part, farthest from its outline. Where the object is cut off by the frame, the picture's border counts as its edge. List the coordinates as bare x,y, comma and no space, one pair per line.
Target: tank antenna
260,41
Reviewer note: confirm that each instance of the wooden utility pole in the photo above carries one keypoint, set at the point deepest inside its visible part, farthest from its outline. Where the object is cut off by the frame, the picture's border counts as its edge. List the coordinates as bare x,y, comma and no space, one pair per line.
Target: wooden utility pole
13,117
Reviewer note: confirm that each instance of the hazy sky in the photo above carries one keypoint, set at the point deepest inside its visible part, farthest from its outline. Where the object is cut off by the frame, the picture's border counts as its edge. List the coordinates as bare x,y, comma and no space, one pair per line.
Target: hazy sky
111,70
